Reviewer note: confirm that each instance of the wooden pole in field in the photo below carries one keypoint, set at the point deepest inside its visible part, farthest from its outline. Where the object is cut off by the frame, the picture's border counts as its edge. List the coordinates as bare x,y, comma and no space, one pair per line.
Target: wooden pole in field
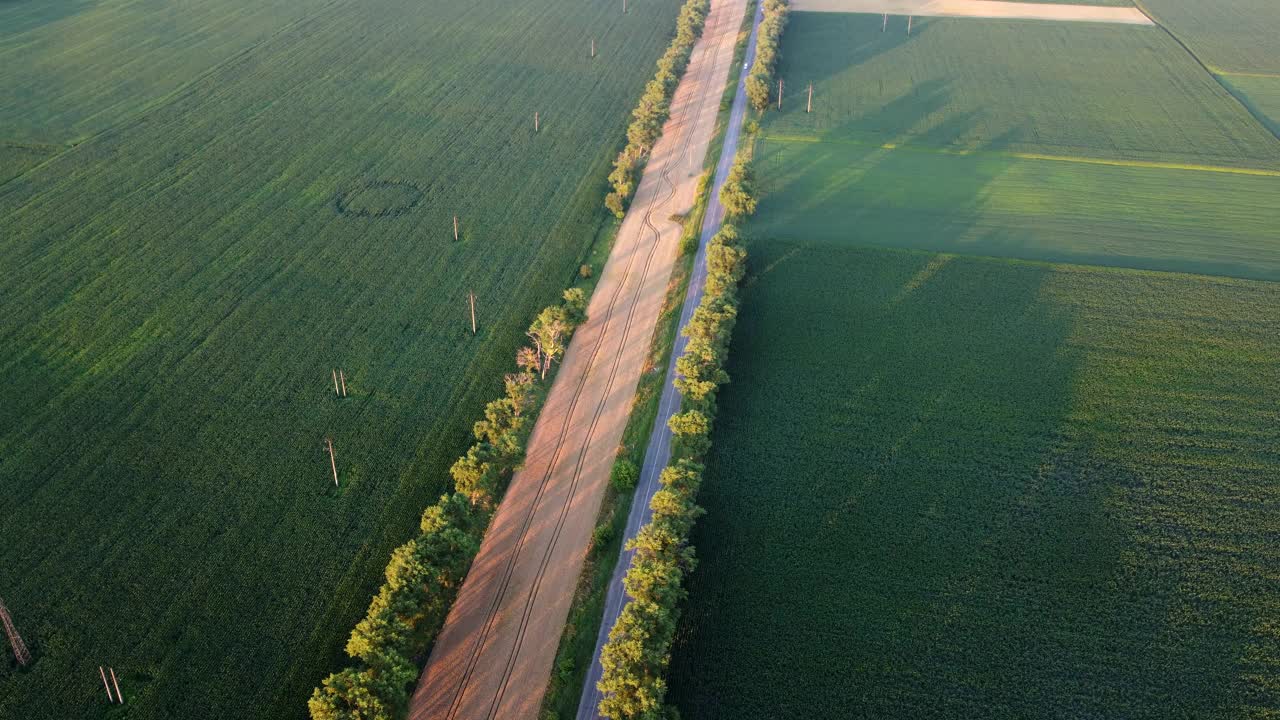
333,463
455,228
335,382
535,121
343,377
472,298
884,24
624,6
909,18
119,695
104,683
593,47
809,107
779,93
20,652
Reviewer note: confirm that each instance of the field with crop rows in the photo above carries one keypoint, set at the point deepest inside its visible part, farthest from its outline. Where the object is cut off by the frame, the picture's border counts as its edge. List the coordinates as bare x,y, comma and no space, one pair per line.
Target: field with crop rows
179,287
1230,35
1040,209
1071,89
72,68
1261,94
965,487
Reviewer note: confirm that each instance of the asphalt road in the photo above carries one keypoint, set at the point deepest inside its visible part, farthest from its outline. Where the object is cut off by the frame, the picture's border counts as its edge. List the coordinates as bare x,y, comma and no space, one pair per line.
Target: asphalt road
658,454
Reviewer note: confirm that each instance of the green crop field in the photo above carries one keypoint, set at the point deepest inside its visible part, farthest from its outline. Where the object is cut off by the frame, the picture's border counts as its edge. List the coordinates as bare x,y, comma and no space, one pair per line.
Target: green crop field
997,204
953,487
1072,89
72,68
1261,94
1063,142
1228,35
179,286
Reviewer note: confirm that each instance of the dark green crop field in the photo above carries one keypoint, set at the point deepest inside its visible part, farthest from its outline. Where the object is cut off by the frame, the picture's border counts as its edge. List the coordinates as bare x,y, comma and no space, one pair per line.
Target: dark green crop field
72,68
949,487
178,288
1071,89
1228,35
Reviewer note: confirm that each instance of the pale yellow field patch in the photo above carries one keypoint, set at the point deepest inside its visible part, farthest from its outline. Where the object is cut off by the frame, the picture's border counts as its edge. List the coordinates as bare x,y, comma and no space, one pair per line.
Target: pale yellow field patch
996,9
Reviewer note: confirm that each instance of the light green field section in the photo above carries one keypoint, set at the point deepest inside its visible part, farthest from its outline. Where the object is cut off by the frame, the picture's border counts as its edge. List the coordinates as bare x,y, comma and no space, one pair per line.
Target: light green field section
842,193
1228,35
1261,94
178,289
1075,89
72,68
947,487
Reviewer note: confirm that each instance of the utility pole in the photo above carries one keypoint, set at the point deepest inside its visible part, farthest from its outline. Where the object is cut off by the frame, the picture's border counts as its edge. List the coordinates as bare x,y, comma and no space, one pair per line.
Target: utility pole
20,651
535,121
105,685
333,463
455,228
335,382
472,297
909,25
119,695
343,377
624,7
809,107
779,93
593,47
884,25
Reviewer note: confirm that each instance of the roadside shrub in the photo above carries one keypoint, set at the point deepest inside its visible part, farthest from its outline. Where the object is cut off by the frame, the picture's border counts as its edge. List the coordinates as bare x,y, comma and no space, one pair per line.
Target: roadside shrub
654,107
624,475
424,574
760,82
639,647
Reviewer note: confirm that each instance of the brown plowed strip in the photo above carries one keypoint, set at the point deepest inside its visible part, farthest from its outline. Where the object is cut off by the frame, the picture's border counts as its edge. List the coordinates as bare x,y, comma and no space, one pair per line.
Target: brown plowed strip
980,9
494,654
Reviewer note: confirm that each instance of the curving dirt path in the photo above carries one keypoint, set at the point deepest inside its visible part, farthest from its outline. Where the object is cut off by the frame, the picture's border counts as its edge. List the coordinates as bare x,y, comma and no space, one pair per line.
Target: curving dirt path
494,654
980,9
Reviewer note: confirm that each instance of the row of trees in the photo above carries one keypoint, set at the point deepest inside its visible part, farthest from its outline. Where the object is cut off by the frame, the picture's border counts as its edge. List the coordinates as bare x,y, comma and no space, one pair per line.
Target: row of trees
424,574
636,656
655,105
759,83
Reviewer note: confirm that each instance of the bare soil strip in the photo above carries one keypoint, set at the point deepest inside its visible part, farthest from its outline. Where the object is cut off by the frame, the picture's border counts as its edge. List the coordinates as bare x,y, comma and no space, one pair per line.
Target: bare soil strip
997,9
494,654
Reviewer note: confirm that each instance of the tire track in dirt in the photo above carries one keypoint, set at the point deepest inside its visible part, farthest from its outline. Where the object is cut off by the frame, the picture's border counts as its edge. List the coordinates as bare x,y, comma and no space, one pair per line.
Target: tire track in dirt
484,657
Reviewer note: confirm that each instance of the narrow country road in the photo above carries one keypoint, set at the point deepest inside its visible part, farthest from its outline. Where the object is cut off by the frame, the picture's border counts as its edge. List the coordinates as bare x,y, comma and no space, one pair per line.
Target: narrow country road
494,654
658,453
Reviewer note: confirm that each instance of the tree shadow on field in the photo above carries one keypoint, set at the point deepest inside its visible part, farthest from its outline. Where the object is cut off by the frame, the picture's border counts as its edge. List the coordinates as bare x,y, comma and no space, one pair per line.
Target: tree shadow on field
824,45
905,519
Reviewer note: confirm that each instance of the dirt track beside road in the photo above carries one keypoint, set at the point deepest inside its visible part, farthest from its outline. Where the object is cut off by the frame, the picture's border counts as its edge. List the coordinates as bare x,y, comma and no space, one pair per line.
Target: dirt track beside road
494,655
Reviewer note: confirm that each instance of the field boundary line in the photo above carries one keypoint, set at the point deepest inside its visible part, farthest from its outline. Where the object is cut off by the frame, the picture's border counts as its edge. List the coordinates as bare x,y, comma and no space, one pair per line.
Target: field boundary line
1148,164
1261,120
